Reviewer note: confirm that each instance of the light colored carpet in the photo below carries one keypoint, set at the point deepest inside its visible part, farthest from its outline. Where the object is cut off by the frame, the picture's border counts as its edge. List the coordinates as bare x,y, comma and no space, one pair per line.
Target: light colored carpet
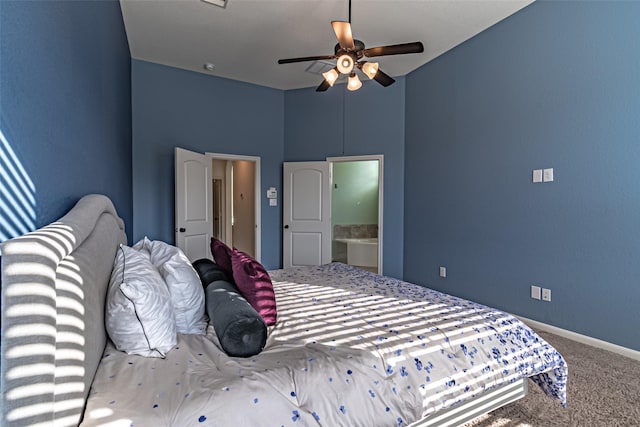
603,391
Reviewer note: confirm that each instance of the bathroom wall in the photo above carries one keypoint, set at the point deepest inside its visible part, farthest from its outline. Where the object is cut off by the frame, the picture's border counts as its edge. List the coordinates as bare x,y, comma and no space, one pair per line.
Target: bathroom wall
354,196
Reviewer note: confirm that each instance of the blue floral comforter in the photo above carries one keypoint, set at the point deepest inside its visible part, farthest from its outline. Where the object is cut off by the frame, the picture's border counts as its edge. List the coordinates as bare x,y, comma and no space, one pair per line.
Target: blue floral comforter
350,348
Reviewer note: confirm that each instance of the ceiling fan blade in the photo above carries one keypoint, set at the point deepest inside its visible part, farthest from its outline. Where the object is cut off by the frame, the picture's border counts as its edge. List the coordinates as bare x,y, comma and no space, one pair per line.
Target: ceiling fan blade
396,49
343,34
383,78
306,58
323,86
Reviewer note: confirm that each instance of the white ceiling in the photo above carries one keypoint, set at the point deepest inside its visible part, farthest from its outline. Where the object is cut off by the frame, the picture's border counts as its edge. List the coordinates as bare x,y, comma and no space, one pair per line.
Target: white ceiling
246,38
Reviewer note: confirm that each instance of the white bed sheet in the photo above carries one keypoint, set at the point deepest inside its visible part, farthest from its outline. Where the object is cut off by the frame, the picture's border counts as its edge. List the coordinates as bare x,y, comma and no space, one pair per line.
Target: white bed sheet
350,348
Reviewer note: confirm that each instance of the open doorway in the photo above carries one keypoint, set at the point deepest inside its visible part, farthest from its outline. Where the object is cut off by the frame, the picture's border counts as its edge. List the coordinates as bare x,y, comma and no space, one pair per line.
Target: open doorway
234,203
216,195
356,211
308,238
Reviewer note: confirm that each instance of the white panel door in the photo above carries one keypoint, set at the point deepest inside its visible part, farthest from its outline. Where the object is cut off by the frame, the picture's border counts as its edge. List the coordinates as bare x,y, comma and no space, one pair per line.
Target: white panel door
193,212
306,205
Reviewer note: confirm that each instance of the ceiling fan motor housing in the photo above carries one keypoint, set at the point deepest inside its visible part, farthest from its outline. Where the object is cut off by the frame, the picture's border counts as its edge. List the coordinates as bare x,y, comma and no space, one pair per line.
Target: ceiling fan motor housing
359,47
347,58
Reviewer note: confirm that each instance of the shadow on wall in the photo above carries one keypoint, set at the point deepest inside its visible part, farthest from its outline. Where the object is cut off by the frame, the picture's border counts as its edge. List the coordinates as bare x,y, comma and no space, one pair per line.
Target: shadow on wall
17,194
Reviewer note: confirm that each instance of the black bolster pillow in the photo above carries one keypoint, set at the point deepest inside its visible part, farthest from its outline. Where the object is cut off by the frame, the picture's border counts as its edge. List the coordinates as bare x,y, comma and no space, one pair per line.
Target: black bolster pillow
240,329
209,272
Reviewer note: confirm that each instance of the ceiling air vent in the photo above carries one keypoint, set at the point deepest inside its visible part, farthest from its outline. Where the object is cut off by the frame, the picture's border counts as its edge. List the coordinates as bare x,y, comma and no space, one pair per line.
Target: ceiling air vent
319,67
221,3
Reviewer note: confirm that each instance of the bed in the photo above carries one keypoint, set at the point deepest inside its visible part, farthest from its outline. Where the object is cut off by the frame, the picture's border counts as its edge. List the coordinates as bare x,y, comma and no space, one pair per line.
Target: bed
350,348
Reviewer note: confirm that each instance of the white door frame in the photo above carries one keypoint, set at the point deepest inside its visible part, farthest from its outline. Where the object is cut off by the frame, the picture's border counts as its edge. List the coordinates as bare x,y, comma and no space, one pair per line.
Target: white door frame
380,159
258,189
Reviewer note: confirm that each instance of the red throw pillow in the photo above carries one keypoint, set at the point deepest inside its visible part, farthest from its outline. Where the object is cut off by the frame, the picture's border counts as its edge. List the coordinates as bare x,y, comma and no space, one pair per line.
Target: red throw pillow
221,255
255,285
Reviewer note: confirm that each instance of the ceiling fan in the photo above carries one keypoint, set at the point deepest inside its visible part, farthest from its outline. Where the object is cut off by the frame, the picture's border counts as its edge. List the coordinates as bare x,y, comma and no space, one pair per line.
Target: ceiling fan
351,54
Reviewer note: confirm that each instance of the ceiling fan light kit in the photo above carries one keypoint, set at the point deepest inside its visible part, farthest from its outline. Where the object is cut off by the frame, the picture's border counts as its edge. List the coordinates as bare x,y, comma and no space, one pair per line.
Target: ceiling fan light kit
354,82
345,64
331,76
350,53
370,69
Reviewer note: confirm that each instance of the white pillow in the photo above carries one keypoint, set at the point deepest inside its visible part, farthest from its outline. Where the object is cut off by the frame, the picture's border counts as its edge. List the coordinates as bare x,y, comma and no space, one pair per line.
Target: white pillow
144,246
139,316
187,294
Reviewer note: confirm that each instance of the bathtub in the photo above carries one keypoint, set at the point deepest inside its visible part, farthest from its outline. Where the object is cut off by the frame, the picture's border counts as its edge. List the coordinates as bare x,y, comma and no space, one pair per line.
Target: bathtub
361,252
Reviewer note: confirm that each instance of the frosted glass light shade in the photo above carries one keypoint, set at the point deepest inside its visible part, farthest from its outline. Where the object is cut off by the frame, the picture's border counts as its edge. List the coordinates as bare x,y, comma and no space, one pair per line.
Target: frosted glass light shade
331,76
370,69
354,82
345,64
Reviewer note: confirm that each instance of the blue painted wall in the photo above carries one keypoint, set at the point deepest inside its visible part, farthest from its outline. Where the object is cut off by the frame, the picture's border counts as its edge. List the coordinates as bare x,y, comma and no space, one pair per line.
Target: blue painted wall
556,85
202,113
341,123
65,115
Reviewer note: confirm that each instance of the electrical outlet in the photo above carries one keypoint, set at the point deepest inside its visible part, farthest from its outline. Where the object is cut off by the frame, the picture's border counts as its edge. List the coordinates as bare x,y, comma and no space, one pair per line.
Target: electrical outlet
535,292
443,271
546,294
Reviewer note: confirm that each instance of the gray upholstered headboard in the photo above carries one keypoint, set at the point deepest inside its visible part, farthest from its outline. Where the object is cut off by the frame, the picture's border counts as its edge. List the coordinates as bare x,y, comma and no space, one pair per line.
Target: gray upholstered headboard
54,282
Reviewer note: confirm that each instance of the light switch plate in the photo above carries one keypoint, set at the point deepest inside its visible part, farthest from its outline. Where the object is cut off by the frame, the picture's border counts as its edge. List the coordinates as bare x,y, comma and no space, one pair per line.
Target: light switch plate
547,175
535,292
537,175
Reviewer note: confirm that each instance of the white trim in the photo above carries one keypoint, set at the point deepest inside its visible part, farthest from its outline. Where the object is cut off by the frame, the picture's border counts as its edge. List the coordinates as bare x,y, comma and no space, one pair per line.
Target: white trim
380,159
584,339
258,192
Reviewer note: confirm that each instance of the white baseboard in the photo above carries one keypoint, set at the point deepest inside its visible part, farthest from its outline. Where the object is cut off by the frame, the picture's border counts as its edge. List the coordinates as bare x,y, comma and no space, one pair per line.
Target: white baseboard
624,351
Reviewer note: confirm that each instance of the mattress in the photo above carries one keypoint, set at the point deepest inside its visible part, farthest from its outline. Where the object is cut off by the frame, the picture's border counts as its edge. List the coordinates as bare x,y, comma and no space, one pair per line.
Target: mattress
350,348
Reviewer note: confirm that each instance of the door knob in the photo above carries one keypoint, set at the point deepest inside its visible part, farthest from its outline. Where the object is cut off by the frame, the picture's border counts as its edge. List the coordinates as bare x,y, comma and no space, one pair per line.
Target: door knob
182,229
286,226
